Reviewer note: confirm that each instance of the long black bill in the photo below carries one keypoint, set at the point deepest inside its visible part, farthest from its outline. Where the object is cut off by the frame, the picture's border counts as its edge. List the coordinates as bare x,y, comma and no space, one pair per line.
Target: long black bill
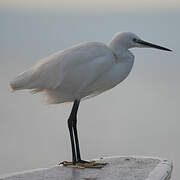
153,45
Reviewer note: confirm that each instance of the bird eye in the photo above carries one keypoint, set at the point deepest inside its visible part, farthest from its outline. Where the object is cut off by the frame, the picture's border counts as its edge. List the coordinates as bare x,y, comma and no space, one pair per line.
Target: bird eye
134,40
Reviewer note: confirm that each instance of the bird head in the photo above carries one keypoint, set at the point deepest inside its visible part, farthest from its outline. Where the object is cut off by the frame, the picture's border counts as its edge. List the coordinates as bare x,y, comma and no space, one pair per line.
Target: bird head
129,40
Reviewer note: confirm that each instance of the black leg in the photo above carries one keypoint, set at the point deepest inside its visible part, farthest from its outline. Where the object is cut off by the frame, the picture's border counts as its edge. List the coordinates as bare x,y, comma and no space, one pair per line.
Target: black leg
76,156
77,143
72,121
76,134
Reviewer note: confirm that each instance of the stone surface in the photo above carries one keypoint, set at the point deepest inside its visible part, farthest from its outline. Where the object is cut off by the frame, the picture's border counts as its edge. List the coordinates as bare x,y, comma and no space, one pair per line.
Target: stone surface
118,168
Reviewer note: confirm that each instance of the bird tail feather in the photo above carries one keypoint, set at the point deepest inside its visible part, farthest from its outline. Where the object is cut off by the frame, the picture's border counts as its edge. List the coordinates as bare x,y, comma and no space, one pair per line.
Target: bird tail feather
22,80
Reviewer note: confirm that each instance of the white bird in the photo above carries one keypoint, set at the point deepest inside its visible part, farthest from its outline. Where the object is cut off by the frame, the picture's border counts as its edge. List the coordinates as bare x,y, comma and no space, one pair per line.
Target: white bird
80,72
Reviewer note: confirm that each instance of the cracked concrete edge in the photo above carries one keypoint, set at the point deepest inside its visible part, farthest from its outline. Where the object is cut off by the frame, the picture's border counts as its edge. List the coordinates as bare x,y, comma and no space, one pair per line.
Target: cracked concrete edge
22,172
161,172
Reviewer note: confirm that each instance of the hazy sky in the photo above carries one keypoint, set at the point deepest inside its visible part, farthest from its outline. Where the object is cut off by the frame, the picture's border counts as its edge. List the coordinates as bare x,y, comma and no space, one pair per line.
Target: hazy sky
139,117
84,5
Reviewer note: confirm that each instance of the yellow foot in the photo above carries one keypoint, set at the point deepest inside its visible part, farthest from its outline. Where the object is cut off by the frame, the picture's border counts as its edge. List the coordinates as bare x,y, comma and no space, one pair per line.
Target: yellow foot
83,165
90,164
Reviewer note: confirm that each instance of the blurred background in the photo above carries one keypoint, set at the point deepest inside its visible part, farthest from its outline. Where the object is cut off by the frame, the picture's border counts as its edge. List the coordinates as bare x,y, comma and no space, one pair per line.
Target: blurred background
138,117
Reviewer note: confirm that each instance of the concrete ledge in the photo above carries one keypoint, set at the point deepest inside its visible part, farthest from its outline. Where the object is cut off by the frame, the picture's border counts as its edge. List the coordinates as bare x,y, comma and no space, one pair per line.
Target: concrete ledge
119,168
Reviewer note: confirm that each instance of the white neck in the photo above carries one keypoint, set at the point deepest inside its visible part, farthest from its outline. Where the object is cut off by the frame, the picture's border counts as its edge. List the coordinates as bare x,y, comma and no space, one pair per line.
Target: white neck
118,48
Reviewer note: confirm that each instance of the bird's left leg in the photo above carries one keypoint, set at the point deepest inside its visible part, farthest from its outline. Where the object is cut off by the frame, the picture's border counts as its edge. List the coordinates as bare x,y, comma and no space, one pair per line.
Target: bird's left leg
81,163
74,125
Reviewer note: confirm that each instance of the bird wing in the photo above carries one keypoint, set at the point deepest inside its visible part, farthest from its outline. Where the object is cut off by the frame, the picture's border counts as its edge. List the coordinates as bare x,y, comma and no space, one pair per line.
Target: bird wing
74,69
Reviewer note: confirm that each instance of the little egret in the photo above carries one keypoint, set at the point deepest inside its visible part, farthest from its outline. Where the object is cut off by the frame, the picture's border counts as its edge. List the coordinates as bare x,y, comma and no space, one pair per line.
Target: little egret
80,72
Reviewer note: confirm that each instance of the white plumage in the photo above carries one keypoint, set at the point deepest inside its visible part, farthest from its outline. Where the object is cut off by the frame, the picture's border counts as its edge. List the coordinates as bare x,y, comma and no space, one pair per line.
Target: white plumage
82,71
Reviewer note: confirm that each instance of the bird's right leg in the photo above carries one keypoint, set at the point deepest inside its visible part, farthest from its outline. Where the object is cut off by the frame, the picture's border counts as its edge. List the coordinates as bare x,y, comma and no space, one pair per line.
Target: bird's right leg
71,133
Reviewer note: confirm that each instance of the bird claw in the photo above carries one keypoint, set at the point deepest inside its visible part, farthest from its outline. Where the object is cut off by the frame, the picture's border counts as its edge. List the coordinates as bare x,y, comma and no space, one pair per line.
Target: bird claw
66,163
82,165
91,164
